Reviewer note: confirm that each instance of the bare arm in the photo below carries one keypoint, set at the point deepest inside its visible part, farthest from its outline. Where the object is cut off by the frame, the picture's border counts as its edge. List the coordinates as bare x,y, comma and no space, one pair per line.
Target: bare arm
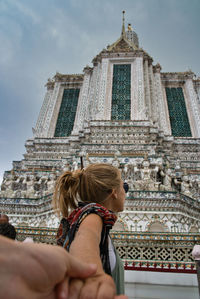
86,243
85,247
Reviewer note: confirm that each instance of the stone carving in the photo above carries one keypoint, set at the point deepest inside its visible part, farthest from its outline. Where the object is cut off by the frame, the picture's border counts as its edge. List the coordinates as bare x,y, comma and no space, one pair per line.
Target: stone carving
195,188
66,167
30,186
186,185
74,165
146,173
6,189
166,180
51,183
116,161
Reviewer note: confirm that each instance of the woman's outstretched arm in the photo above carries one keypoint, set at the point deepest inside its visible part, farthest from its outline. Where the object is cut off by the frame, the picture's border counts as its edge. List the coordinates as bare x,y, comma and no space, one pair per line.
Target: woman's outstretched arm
85,247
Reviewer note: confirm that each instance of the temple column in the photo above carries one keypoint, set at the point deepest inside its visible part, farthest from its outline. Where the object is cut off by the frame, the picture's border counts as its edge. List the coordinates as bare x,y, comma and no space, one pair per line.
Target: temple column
41,127
82,108
92,105
49,116
102,90
154,106
147,89
162,115
138,109
193,107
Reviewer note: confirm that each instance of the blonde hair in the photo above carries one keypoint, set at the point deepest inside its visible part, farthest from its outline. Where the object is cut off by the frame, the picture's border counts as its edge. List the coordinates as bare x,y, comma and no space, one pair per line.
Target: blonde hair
92,184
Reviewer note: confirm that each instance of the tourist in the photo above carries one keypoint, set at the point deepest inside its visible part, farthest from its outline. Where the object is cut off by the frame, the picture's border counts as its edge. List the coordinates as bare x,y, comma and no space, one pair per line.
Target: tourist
7,230
4,218
88,200
36,271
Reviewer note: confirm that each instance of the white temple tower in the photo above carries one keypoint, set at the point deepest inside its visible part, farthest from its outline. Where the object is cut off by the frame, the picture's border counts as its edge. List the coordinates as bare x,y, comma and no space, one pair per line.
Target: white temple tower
125,111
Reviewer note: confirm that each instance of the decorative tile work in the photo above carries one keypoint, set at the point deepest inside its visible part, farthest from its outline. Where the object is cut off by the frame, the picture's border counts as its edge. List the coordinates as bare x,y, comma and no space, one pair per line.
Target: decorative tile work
121,92
49,113
163,252
194,107
82,107
147,88
139,80
67,113
154,104
101,90
163,122
177,111
160,266
40,126
92,106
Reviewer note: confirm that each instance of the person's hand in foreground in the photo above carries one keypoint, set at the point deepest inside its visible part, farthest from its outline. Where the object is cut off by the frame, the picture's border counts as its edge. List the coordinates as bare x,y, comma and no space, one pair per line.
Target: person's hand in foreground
98,287
30,271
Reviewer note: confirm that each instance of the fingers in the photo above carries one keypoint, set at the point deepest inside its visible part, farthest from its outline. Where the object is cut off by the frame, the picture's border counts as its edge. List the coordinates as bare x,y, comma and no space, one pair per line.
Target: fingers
107,288
98,287
62,289
106,291
75,288
90,289
76,268
69,289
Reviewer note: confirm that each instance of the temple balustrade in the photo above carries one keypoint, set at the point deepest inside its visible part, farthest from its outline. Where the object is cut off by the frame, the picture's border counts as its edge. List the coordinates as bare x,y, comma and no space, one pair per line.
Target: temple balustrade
140,251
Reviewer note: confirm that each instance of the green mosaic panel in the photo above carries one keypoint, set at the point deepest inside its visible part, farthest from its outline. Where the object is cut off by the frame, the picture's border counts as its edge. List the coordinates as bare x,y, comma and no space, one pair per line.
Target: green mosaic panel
121,92
177,112
66,116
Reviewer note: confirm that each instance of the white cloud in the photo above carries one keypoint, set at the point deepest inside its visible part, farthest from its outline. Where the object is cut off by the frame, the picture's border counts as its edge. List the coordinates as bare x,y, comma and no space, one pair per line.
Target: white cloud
10,40
26,10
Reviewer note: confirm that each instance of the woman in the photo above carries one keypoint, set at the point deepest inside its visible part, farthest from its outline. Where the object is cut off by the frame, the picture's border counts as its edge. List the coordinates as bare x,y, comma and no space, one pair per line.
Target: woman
89,199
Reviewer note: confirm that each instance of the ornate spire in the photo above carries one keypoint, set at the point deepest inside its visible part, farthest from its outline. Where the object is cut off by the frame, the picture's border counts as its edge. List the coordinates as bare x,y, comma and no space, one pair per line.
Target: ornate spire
123,26
129,27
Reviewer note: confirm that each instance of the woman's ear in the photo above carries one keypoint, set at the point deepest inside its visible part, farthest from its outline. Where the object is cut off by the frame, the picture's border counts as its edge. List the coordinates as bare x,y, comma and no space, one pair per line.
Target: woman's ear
114,194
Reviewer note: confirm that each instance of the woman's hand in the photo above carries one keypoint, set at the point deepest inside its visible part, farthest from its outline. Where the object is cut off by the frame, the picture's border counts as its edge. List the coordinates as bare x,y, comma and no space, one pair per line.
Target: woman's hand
96,287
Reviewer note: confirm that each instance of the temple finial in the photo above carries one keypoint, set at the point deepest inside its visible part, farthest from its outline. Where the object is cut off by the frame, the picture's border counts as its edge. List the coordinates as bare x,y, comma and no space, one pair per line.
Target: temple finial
123,26
129,27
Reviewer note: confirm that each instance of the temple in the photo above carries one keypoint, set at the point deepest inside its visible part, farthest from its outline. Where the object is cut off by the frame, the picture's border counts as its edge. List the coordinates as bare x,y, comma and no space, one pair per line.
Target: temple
125,111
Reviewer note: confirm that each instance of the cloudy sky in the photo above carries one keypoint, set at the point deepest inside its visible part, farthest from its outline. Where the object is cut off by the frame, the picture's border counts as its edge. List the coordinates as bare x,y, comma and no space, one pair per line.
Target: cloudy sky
40,37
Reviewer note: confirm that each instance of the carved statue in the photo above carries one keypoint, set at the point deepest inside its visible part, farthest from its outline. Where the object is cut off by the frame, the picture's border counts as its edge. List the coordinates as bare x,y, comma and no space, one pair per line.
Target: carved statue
66,167
116,162
30,186
195,188
146,182
186,185
75,165
6,186
167,180
51,183
177,184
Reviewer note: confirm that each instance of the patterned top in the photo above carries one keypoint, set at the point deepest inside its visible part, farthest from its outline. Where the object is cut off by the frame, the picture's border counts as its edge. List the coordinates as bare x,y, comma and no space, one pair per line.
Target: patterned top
69,226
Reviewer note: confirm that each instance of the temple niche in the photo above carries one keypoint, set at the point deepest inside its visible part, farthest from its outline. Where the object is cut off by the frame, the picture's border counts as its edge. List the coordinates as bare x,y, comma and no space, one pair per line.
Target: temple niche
125,111
157,227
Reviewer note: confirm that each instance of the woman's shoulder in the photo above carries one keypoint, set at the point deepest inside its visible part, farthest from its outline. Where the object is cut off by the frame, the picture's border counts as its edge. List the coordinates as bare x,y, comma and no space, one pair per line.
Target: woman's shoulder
92,220
108,217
